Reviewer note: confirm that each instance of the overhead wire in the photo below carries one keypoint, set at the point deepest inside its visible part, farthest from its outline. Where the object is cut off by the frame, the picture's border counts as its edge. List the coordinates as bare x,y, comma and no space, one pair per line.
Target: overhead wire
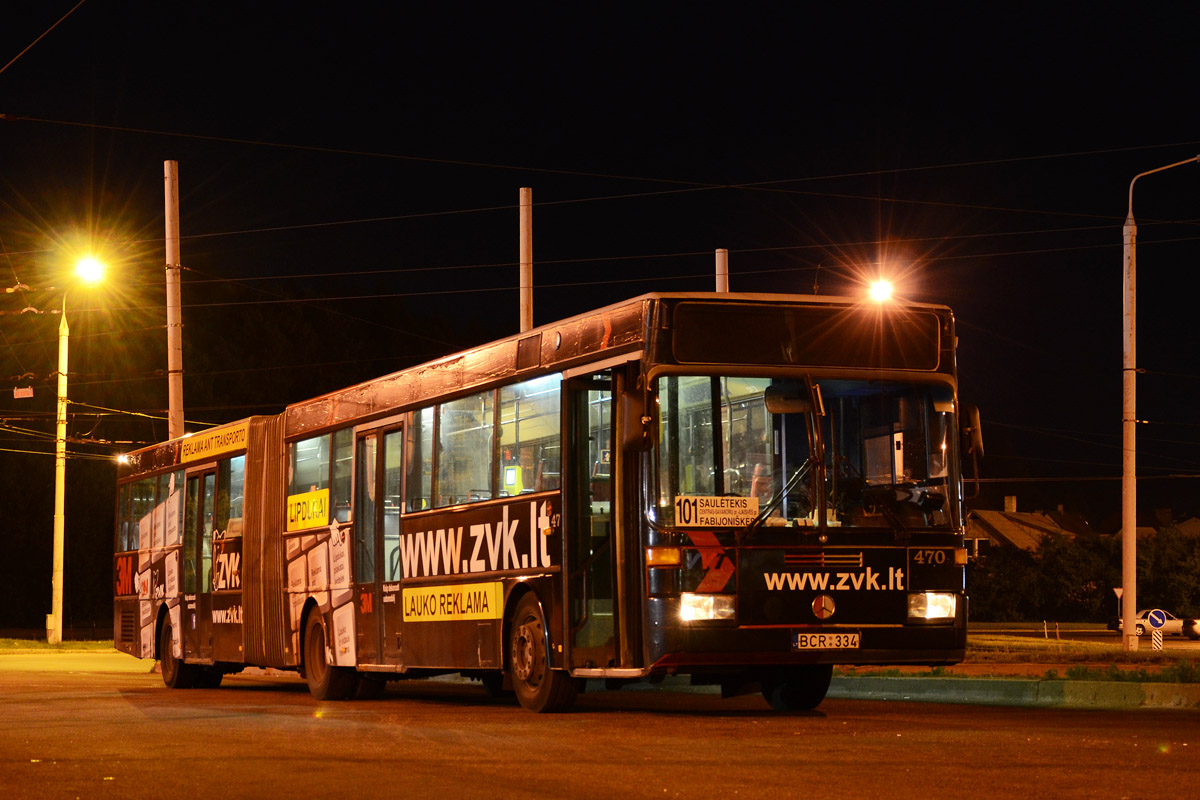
43,36
772,186
690,186
582,173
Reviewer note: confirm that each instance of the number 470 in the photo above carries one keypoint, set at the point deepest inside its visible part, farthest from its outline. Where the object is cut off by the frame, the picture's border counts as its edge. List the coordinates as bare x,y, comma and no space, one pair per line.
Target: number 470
931,557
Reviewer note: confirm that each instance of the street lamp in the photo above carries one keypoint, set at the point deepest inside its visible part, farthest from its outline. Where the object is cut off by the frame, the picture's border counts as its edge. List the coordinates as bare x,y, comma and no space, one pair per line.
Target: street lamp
881,291
1129,638
89,271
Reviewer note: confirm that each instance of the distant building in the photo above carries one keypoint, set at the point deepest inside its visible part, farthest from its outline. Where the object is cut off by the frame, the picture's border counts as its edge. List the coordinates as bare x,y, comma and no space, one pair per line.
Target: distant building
1023,529
1189,526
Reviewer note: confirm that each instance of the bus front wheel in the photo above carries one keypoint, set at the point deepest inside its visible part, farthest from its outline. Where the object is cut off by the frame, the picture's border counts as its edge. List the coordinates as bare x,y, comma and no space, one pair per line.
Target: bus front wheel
325,681
797,688
538,687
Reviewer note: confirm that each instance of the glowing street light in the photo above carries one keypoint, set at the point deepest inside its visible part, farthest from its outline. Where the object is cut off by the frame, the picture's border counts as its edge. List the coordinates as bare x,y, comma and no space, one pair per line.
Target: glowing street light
89,271
881,291
1129,638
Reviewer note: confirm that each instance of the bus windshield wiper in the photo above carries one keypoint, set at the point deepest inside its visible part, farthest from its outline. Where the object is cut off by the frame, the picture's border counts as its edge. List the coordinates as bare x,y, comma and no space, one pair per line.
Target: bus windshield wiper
882,499
801,472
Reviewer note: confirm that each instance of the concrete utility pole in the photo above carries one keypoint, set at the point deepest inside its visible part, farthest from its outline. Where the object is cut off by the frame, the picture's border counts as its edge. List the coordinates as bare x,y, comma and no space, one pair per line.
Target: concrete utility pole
526,201
174,301
722,270
1128,596
54,622
88,270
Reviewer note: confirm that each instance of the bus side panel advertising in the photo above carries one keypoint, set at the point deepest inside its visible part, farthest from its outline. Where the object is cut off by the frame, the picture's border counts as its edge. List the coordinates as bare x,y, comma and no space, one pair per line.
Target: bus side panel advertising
451,607
318,567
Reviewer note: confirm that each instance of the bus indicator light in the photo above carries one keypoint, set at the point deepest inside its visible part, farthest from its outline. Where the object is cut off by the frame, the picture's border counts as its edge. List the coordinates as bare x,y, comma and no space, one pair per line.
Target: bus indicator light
664,557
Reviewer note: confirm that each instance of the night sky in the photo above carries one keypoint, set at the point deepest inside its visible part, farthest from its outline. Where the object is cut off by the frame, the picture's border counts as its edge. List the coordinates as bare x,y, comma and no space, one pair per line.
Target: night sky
349,183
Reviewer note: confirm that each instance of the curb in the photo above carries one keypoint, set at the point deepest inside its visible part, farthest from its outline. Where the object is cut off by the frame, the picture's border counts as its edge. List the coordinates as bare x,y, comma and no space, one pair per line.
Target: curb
1038,693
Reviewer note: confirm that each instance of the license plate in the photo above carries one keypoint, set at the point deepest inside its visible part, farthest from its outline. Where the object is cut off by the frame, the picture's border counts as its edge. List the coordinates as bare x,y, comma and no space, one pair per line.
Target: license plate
825,641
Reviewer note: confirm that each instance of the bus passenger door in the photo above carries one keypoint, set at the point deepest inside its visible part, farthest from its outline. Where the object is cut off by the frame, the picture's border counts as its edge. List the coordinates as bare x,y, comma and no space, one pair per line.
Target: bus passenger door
196,619
366,523
377,545
590,483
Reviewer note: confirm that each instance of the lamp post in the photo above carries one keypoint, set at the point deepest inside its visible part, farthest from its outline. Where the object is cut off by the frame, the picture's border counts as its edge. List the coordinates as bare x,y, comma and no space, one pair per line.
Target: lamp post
90,271
1129,638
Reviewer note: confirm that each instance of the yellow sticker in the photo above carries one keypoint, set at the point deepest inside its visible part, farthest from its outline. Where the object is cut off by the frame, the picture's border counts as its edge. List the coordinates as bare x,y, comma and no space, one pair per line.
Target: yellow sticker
308,510
459,602
214,442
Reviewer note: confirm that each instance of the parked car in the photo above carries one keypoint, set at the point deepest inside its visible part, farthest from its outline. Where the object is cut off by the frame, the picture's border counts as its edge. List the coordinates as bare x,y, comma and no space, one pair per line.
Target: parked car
1173,625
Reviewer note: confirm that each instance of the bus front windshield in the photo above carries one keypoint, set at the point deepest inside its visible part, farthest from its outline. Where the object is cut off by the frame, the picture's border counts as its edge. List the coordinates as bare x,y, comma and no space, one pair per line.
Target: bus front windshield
848,453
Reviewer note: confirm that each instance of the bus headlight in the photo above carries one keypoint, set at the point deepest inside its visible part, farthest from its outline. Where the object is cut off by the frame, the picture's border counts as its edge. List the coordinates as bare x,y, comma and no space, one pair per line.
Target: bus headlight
932,605
706,606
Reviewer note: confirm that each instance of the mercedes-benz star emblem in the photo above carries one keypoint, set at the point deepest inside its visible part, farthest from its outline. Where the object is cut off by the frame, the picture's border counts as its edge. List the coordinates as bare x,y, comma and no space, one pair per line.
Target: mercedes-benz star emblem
823,606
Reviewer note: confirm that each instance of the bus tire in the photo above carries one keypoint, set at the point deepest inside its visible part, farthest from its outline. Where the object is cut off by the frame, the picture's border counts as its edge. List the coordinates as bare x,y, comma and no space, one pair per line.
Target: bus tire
797,688
175,673
493,685
209,678
538,687
325,681
369,688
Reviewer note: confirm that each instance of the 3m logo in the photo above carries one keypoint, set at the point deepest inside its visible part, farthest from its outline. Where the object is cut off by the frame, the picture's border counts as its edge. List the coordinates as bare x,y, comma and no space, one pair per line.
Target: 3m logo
124,575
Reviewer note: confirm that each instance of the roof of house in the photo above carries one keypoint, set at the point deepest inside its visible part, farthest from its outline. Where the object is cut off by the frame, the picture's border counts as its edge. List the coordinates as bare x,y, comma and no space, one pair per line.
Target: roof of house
1023,529
1189,526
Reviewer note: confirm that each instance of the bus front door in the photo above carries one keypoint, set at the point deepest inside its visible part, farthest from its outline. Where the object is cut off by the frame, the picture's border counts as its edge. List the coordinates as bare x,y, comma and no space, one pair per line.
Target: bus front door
196,620
590,486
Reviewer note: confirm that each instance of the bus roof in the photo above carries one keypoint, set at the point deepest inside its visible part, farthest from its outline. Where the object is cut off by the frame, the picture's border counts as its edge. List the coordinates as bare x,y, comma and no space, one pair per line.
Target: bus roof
612,331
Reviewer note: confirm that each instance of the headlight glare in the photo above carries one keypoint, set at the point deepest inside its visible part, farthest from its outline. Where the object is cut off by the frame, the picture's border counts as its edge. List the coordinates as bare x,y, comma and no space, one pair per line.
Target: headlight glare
932,605
706,606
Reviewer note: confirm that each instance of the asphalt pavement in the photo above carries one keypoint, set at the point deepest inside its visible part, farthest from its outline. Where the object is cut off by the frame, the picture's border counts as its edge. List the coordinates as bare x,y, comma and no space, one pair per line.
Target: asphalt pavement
961,689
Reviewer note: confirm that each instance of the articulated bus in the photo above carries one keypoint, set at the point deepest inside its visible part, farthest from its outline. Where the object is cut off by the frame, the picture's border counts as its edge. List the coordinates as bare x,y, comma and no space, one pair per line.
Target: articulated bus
744,489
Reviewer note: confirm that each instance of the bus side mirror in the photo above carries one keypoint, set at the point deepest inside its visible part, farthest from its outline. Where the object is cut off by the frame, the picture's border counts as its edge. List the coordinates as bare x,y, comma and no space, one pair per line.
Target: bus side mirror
972,436
972,430
637,424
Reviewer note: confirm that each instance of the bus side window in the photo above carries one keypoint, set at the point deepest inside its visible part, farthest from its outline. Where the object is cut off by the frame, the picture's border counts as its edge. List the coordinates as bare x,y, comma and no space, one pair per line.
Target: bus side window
123,521
324,463
141,514
393,467
464,463
419,457
528,446
343,468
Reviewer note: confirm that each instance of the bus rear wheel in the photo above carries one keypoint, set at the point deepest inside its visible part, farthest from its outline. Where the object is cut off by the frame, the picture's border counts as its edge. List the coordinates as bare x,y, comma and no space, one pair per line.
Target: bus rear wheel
538,687
209,678
797,688
175,673
325,681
